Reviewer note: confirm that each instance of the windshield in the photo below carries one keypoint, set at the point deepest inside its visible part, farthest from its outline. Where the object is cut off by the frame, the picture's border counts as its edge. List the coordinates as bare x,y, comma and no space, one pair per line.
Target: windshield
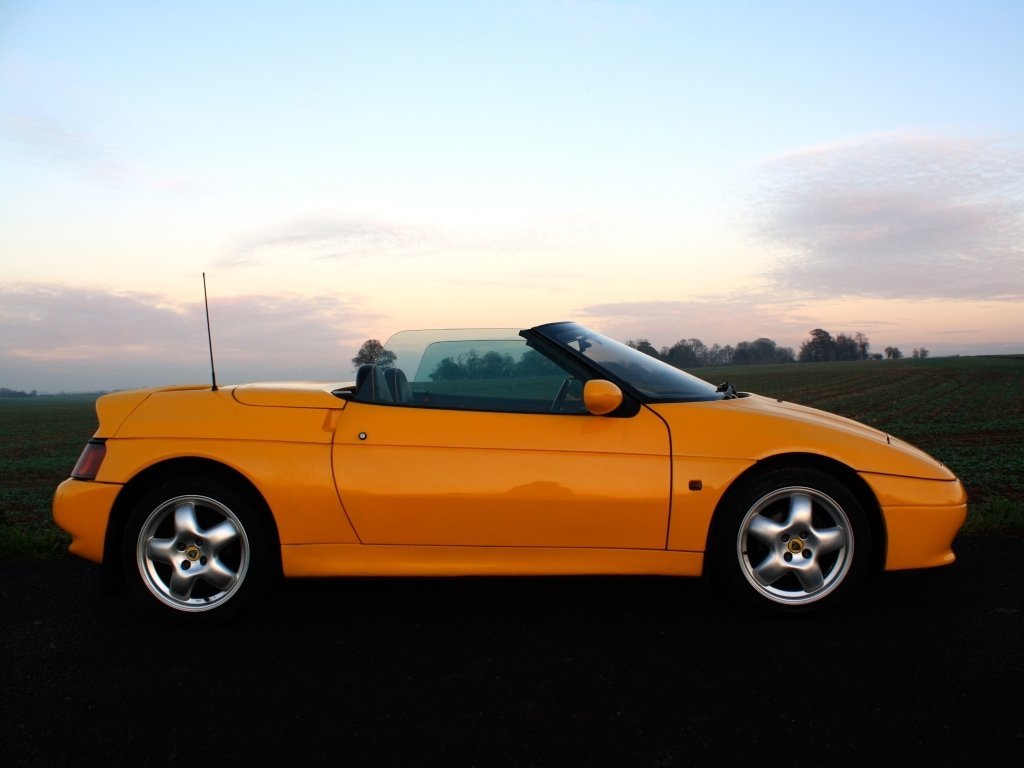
648,376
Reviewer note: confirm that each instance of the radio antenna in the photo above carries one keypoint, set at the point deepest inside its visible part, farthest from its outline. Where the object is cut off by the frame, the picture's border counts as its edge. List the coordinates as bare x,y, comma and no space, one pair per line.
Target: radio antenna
209,336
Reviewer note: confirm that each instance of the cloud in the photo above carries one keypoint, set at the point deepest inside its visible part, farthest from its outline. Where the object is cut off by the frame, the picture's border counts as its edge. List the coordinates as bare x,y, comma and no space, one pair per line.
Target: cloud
715,320
90,155
340,237
61,338
43,137
344,237
897,216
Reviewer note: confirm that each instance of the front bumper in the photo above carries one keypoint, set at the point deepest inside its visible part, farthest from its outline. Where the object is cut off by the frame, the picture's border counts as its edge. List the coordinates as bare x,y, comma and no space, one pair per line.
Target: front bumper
922,517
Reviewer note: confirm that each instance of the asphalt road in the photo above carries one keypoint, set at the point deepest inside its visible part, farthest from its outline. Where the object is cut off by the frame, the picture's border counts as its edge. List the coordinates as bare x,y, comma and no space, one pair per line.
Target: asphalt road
506,672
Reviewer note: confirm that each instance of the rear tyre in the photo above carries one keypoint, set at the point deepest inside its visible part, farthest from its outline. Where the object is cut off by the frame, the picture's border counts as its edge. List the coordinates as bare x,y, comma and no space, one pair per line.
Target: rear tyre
792,540
196,550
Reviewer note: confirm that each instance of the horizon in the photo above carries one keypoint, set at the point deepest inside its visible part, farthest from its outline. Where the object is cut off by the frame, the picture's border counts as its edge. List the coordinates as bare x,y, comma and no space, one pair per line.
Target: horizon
650,169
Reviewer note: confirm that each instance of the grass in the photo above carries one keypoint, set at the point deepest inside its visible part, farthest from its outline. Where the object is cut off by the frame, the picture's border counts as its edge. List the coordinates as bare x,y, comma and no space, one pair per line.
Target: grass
42,438
968,412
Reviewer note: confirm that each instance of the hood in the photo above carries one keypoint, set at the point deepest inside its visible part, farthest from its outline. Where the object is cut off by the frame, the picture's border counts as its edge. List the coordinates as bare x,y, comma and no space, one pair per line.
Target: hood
755,428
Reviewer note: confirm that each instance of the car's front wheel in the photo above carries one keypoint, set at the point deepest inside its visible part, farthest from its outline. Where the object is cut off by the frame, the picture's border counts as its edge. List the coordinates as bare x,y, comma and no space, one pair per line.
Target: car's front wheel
196,550
792,540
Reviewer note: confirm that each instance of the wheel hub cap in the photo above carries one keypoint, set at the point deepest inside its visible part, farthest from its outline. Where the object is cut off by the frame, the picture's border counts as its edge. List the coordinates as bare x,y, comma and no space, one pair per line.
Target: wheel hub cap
795,546
193,553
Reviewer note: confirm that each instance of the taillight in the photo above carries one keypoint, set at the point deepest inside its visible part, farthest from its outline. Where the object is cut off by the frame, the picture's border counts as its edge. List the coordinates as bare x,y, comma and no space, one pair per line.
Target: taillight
89,462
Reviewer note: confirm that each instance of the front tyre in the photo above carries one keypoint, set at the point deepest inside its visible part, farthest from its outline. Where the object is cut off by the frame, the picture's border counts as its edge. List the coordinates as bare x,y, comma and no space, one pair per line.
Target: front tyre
196,550
792,540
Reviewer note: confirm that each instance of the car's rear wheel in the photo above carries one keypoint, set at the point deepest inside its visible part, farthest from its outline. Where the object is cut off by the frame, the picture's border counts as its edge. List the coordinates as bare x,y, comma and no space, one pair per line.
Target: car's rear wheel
196,550
792,540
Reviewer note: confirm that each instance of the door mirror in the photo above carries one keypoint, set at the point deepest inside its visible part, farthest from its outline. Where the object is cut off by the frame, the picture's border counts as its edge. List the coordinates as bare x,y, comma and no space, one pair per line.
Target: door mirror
601,397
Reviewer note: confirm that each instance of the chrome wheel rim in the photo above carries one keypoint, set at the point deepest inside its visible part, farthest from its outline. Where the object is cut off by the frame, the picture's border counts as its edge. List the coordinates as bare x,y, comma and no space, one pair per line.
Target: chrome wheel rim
795,545
192,553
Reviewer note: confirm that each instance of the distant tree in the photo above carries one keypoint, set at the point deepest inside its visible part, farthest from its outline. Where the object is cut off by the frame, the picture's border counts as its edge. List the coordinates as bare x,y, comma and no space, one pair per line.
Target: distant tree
373,352
919,354
876,356
846,348
5,392
862,345
685,353
448,370
893,353
761,352
473,365
643,345
533,363
820,348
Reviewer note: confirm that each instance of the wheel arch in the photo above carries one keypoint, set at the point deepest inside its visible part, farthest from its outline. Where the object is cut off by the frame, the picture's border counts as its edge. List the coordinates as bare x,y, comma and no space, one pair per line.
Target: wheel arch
841,472
149,478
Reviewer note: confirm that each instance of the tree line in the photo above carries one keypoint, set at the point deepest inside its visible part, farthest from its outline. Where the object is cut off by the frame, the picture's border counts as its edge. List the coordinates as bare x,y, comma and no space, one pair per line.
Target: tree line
5,392
820,347
694,353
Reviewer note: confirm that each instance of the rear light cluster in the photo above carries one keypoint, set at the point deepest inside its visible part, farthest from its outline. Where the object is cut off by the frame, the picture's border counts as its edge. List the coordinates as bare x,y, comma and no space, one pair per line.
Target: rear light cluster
89,462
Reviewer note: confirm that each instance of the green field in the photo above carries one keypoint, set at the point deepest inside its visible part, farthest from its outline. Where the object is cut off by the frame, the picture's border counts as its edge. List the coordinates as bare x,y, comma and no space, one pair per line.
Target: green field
968,412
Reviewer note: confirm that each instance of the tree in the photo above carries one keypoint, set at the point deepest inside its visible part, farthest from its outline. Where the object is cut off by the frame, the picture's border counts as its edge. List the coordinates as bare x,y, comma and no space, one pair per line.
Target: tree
373,352
919,354
893,353
820,348
685,353
862,345
643,345
761,352
846,348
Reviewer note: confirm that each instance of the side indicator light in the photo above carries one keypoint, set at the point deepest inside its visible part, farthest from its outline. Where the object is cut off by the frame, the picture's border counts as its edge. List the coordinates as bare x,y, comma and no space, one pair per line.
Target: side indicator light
88,465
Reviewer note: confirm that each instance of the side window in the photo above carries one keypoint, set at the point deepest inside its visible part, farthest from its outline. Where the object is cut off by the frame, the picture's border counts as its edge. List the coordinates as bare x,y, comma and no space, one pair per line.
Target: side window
494,375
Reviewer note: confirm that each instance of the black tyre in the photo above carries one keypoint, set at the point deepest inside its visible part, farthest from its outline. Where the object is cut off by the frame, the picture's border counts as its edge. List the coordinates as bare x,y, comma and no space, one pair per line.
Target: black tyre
791,540
196,550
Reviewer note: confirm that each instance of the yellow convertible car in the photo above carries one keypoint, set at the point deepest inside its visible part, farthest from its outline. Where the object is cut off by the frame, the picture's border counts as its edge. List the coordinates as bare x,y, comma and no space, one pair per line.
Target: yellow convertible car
552,450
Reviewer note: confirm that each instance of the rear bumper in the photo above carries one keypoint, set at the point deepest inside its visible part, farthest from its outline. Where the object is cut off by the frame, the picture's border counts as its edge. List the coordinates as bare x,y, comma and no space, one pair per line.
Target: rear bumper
82,508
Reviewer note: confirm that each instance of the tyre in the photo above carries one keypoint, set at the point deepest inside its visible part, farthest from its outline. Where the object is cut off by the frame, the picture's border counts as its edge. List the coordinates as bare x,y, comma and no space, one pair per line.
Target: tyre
792,540
196,550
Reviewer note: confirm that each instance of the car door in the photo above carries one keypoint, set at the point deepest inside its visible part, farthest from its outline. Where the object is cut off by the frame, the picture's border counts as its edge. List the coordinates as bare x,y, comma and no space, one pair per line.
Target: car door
499,467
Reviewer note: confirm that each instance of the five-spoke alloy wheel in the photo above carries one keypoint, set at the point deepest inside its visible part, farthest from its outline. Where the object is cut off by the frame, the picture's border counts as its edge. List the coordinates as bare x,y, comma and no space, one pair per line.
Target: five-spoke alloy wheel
195,547
791,540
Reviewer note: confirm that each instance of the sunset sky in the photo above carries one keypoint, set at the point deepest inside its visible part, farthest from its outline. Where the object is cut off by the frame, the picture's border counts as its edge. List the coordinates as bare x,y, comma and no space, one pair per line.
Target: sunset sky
345,170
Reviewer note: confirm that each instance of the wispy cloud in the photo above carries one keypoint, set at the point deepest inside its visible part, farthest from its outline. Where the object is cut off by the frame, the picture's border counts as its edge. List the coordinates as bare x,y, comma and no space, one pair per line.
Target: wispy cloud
40,136
340,237
714,320
55,337
344,237
897,216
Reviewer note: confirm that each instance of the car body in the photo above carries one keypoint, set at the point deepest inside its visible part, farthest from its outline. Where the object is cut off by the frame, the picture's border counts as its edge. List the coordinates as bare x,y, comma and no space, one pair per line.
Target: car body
550,450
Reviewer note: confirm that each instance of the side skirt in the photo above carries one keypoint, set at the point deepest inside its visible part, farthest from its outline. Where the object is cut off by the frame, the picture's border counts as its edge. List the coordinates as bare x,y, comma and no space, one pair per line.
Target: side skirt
311,560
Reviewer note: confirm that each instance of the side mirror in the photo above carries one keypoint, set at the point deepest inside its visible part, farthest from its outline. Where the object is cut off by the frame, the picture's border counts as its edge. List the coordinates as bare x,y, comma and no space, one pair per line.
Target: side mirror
601,397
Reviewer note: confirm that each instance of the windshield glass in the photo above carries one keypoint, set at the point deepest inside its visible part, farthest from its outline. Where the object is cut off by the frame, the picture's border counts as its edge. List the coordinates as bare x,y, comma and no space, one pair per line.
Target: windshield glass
648,376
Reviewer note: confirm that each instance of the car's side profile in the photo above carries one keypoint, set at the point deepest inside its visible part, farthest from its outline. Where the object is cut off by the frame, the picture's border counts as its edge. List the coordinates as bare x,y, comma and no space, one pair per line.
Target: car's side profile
551,450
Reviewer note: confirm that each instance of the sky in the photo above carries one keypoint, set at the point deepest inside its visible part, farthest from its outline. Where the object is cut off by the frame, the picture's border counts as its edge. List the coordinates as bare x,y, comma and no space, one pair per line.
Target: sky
346,170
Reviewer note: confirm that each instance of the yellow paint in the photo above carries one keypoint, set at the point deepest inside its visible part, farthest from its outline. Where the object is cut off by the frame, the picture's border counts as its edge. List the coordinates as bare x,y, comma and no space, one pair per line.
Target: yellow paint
82,508
921,537
429,476
356,488
363,560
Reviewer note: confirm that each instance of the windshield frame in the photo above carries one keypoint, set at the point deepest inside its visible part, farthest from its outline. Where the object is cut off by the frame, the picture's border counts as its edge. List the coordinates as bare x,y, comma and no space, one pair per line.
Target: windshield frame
673,384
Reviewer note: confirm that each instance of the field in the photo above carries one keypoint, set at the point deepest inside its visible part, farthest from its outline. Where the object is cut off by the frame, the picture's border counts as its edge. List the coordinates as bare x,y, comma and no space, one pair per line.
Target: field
968,412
